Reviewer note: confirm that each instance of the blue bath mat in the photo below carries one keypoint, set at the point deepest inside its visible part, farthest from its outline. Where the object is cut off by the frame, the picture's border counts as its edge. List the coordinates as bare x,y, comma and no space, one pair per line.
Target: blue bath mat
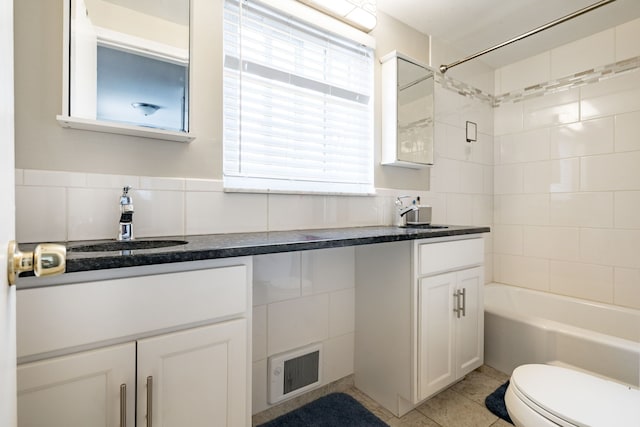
332,410
495,403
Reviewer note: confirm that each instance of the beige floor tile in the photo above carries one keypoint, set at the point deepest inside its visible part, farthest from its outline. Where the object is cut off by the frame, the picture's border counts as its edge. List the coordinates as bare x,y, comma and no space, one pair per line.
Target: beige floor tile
477,386
370,404
493,373
501,423
451,409
460,406
341,386
412,419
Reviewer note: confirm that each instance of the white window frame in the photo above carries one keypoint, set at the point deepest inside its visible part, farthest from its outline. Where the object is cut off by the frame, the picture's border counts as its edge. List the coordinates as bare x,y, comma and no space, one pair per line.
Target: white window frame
243,177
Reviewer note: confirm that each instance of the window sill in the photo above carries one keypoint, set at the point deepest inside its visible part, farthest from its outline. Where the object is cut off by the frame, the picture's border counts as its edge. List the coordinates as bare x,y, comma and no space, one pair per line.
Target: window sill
371,193
123,129
407,164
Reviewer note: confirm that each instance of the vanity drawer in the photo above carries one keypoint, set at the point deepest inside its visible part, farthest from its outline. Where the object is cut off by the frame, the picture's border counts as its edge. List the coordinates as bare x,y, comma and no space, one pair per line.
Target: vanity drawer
85,314
451,255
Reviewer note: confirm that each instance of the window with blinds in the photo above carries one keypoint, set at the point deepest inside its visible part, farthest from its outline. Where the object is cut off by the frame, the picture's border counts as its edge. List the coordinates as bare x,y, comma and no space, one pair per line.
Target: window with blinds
298,105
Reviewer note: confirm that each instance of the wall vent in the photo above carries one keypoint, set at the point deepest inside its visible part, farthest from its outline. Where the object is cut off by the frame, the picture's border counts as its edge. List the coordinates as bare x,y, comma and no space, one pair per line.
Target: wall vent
294,372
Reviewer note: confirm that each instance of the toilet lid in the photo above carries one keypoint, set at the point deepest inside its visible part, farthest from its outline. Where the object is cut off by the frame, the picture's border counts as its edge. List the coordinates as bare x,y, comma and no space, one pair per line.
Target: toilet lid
577,398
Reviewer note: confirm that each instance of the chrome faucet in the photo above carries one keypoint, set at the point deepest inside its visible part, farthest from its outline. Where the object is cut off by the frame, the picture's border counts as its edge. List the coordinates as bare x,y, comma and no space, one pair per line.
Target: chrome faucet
126,215
402,209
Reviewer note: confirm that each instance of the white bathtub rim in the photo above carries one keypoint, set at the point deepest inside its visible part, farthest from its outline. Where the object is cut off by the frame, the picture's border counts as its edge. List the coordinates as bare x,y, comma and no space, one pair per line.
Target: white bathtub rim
583,301
542,336
569,330
510,313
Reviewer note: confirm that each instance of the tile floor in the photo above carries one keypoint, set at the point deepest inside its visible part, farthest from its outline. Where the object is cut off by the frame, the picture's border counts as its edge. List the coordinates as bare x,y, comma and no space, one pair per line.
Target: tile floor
461,405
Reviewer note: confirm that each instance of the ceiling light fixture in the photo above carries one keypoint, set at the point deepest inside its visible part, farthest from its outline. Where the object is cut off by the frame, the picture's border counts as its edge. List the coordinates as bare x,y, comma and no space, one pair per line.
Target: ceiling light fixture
358,13
145,108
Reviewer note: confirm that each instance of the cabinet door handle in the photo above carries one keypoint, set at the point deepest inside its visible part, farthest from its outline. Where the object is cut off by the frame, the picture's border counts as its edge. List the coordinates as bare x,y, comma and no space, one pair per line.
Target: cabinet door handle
464,301
456,305
123,405
149,401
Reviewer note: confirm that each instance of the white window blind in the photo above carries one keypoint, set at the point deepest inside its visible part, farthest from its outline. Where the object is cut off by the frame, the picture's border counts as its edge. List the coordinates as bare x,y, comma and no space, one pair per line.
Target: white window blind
298,105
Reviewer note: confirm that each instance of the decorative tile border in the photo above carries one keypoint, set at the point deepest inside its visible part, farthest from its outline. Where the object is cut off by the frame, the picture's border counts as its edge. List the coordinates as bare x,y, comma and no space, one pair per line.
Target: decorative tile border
593,75
464,89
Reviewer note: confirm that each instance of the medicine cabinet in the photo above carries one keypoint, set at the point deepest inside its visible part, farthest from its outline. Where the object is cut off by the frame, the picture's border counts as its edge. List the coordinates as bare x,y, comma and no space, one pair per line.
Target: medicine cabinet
126,67
407,112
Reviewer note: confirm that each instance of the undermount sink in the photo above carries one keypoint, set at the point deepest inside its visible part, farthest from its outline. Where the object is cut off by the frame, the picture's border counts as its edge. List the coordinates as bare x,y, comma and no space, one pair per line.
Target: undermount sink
425,226
125,245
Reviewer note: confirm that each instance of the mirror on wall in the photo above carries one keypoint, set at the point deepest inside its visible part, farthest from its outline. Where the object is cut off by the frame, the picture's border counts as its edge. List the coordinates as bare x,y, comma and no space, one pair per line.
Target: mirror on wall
127,67
407,112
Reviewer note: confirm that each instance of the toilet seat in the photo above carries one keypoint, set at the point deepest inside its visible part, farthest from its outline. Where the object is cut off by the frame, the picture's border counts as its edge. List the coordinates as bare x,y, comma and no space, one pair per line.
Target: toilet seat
570,398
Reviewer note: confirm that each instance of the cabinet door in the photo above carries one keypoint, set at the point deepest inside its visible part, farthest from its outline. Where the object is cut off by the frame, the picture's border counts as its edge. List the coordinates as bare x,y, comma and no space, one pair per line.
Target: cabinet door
78,390
435,334
470,326
198,377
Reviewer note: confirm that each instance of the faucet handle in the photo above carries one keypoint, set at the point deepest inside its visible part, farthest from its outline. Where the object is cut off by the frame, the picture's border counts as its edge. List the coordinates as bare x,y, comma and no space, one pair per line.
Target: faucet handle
126,204
399,202
125,198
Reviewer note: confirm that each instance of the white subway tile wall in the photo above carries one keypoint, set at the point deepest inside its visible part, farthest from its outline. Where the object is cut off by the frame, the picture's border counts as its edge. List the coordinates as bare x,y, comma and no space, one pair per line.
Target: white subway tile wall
338,354
302,298
582,138
613,96
626,132
93,213
327,270
219,212
625,282
59,206
295,323
627,36
625,209
567,181
559,243
80,206
521,74
153,222
46,216
276,277
582,280
462,181
259,333
552,109
586,53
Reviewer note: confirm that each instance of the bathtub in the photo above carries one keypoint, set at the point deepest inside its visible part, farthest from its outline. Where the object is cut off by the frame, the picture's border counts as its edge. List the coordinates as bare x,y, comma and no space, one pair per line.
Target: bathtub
526,326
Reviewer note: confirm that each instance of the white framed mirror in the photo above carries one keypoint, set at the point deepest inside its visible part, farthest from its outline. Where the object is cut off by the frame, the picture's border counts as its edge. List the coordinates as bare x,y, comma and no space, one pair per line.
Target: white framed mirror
126,67
408,89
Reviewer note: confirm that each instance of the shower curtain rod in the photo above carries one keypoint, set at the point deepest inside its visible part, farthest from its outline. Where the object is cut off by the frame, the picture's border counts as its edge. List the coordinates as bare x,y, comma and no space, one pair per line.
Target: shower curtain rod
444,68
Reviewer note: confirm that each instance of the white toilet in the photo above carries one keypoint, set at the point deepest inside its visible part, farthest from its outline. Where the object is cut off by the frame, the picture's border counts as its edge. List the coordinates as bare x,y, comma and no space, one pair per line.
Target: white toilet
545,395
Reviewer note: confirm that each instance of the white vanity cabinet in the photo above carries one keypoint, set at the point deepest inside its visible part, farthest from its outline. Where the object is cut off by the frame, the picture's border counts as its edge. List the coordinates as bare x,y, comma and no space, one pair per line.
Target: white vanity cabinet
80,389
415,331
109,353
450,341
195,377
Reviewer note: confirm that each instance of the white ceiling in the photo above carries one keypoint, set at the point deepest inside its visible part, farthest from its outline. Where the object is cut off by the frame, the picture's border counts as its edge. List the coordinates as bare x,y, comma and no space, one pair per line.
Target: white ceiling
474,25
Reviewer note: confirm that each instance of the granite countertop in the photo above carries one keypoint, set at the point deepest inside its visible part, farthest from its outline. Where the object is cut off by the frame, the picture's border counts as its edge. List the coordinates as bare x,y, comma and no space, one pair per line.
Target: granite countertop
212,246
